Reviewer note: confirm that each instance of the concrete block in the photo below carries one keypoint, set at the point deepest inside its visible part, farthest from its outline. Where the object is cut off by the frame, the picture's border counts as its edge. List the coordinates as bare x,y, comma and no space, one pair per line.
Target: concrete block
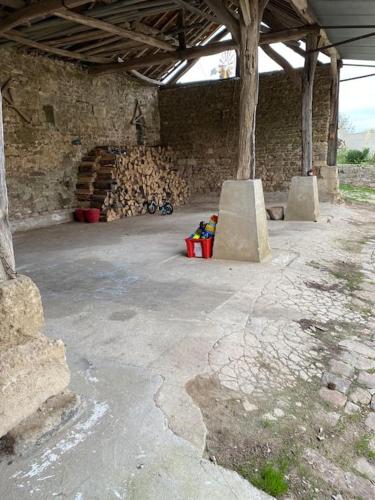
328,184
303,199
21,312
30,373
242,232
50,417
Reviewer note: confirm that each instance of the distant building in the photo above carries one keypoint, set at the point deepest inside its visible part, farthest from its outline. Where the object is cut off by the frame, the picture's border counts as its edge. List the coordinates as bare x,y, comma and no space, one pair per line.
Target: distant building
358,140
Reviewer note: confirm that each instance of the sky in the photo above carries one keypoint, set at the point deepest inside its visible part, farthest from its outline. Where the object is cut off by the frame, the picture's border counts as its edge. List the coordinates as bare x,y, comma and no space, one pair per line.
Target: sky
357,97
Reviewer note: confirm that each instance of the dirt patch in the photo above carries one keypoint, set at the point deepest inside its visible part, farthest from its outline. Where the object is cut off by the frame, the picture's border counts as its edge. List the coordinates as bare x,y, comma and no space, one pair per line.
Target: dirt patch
251,442
324,287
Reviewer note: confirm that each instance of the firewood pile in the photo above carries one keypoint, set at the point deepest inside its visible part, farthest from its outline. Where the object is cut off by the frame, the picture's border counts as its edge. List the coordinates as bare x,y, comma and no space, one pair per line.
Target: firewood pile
121,181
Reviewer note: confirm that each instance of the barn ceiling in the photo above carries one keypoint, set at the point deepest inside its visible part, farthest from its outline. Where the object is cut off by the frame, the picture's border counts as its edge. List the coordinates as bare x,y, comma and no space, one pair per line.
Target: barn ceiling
152,37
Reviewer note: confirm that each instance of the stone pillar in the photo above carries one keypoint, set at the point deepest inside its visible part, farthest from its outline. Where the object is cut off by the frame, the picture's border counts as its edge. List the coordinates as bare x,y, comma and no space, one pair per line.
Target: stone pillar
303,199
32,367
7,267
242,232
328,184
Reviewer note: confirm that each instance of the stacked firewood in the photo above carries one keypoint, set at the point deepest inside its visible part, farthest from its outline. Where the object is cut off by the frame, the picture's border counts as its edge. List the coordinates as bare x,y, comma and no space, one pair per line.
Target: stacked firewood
120,182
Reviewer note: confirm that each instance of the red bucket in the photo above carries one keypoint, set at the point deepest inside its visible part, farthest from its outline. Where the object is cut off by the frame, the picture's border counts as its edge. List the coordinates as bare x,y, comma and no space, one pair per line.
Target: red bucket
199,247
92,215
79,214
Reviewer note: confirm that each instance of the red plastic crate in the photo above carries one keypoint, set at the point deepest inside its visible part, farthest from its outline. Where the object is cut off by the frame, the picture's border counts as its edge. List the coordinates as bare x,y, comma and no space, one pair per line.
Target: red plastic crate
199,248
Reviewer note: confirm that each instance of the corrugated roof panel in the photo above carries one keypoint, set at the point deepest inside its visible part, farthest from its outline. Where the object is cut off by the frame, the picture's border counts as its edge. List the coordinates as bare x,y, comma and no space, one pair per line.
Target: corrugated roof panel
348,13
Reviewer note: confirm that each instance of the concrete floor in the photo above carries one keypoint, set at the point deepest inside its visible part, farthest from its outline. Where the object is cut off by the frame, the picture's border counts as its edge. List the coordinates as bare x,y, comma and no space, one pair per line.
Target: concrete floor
139,321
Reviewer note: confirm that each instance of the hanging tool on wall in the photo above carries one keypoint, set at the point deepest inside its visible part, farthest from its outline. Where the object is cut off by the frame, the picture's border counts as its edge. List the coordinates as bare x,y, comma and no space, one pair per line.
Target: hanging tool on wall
6,92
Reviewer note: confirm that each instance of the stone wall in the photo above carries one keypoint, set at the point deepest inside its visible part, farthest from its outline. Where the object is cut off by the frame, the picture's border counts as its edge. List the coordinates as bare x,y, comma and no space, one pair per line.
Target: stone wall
65,112
200,121
357,175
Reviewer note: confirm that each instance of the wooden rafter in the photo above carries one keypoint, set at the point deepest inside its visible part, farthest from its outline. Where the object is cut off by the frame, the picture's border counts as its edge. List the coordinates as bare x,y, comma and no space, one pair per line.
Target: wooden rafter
127,29
288,34
14,36
225,17
163,58
197,52
13,4
35,11
293,75
112,28
181,71
195,10
303,9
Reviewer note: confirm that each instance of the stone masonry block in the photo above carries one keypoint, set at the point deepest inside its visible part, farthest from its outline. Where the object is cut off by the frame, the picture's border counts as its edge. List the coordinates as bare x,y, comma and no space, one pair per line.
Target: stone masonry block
21,312
30,373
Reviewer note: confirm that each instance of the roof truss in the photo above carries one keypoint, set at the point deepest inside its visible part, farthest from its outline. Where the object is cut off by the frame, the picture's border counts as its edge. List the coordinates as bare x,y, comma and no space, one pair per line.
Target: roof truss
129,34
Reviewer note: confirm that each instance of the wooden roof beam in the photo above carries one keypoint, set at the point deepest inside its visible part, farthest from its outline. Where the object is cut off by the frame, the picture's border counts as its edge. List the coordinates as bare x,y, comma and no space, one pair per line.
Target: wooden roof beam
166,58
36,11
15,37
112,28
205,50
304,11
195,10
13,4
225,17
288,34
293,75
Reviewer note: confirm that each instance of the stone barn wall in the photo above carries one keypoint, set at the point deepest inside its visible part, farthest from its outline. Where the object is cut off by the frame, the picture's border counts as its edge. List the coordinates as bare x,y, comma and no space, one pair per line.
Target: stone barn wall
358,175
66,113
200,121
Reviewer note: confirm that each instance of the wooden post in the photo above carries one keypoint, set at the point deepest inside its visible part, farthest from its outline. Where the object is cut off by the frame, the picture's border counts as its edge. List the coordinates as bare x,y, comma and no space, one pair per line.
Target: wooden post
307,101
7,266
251,13
334,112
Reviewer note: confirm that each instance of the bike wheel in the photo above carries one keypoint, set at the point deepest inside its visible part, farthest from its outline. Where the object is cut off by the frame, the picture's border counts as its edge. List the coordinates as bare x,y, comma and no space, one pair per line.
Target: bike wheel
168,208
151,207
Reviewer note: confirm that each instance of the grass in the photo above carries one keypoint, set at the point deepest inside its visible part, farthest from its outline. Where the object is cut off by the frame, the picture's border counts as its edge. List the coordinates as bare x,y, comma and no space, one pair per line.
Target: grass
356,194
348,272
268,478
362,447
265,423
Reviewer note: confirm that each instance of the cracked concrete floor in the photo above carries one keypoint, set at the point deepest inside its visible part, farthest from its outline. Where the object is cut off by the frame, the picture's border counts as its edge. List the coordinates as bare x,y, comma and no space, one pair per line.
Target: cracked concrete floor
140,321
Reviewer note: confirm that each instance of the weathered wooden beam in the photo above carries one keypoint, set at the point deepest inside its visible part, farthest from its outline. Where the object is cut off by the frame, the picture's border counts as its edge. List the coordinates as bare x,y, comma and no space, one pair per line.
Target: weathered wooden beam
303,9
15,37
195,10
225,17
248,93
293,75
307,103
181,34
288,35
13,4
166,58
7,265
334,112
249,89
112,28
35,11
200,51
146,79
181,71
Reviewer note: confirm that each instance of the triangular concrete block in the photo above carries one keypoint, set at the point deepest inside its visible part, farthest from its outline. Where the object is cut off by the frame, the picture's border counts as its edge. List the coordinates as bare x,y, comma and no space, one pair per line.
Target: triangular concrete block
242,232
303,199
